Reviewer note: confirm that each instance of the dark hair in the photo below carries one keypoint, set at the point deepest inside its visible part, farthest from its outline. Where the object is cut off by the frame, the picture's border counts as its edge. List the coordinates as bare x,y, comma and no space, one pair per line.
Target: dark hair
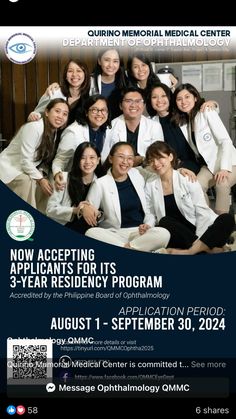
150,110
179,117
83,90
76,186
120,79
47,147
157,149
82,116
152,78
132,89
107,164
85,86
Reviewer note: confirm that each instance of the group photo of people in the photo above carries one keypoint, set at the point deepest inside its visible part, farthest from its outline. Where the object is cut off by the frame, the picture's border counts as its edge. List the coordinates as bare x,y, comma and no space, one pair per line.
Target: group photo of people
127,156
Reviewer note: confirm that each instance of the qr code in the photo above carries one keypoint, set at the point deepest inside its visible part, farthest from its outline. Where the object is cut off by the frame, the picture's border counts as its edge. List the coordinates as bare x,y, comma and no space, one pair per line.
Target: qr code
29,360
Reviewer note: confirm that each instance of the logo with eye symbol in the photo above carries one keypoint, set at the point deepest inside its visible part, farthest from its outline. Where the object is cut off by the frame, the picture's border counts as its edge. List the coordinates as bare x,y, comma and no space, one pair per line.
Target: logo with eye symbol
20,48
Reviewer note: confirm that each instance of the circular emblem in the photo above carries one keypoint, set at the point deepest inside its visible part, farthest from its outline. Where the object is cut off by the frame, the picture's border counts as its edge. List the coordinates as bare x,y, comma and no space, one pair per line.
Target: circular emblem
20,225
65,361
11,410
207,136
20,48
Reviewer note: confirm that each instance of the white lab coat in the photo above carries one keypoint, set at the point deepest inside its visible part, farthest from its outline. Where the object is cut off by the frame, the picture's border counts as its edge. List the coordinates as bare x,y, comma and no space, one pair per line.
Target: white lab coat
19,156
59,204
189,199
103,194
149,131
46,99
213,141
93,88
72,136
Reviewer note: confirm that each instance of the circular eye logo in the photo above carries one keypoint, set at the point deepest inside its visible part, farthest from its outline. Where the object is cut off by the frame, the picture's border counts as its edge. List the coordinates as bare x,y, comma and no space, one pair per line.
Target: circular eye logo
20,48
20,225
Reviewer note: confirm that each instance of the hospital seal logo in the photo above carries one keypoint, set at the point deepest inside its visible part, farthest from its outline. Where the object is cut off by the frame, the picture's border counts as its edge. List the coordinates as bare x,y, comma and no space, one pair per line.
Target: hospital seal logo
20,225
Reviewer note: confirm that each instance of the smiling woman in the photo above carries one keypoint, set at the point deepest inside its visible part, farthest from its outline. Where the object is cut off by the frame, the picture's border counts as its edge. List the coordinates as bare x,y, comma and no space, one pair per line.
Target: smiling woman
91,124
74,88
25,164
180,207
67,203
120,195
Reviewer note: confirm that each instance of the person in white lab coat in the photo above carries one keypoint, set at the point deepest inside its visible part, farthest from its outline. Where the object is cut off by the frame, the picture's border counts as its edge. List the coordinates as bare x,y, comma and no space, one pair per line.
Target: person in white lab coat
133,126
74,88
210,142
120,195
180,207
92,124
159,107
25,164
66,205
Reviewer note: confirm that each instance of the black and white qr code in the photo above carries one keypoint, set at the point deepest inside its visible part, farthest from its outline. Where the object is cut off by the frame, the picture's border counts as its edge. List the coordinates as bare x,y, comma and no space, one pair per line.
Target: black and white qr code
29,359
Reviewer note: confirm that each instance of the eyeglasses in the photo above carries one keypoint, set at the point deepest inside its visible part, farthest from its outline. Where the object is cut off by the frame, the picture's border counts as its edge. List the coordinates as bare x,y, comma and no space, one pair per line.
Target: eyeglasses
133,101
96,111
124,157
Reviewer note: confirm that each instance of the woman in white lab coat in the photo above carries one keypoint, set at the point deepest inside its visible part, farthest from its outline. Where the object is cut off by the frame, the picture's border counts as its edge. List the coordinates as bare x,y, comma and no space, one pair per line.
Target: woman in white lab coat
74,88
66,205
120,195
210,142
180,207
92,124
25,164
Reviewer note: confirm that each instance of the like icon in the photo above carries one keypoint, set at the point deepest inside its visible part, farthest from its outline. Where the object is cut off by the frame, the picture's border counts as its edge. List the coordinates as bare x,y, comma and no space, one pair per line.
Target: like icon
20,410
11,410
